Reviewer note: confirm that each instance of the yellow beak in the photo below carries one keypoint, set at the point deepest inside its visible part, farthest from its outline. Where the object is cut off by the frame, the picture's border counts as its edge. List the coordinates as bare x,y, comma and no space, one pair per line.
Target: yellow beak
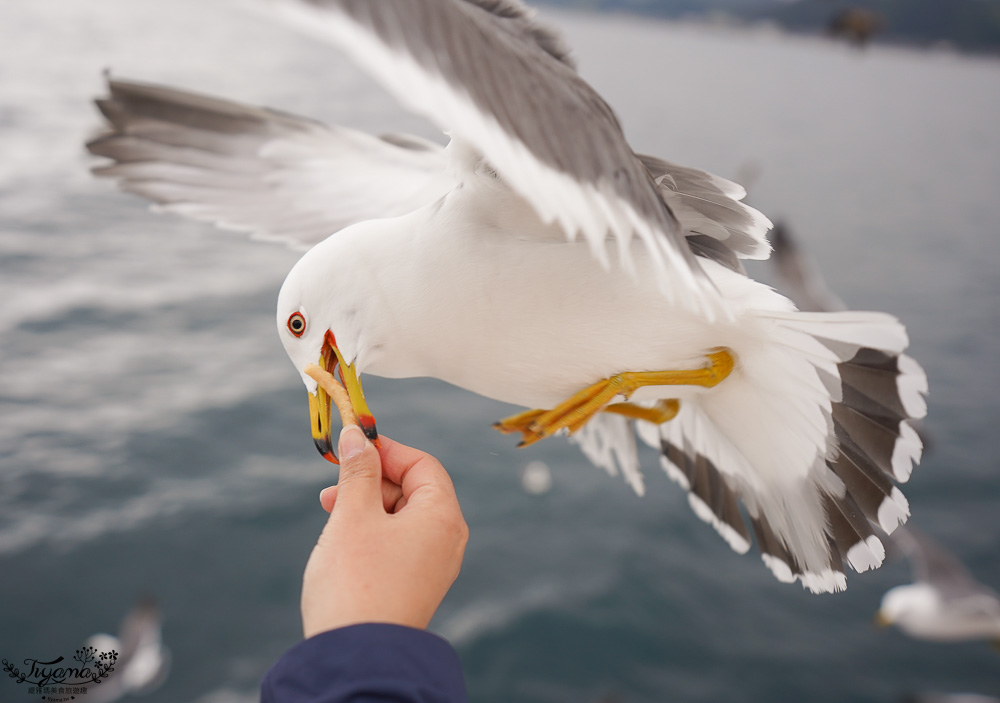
319,418
319,402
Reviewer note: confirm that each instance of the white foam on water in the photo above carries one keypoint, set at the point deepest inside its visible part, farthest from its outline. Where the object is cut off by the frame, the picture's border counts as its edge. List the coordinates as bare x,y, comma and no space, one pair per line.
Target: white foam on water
64,523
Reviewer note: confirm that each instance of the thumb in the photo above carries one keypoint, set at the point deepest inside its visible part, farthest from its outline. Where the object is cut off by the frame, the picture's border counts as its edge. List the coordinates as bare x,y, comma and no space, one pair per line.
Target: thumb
360,484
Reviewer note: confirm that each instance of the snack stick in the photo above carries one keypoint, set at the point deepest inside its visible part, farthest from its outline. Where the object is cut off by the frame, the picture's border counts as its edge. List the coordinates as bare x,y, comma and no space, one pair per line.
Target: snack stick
336,392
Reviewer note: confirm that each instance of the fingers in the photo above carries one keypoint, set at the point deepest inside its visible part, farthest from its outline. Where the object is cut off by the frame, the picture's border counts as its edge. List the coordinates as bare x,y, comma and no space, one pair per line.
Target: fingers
391,497
360,484
428,497
398,458
416,472
396,474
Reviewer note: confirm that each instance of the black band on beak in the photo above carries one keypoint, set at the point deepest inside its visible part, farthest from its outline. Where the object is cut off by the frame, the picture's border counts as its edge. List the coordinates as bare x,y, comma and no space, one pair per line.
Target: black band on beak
325,449
367,423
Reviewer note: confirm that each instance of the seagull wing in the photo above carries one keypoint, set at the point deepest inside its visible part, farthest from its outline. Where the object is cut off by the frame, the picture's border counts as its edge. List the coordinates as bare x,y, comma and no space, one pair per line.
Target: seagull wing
141,625
501,83
278,176
717,225
801,279
936,566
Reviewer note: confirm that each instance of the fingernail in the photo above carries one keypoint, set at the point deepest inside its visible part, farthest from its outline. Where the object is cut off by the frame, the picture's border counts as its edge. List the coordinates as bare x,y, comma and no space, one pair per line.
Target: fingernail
352,442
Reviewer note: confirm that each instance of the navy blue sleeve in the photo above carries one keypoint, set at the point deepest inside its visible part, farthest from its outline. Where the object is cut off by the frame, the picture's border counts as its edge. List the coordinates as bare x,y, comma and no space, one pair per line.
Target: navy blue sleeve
365,664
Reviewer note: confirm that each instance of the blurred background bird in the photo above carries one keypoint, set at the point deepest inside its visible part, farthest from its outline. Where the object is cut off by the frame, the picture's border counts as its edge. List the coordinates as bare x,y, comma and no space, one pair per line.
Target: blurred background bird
143,660
945,603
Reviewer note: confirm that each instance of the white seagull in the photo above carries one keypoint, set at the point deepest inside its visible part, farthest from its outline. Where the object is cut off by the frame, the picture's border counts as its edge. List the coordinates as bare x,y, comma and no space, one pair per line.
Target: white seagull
945,603
143,661
538,260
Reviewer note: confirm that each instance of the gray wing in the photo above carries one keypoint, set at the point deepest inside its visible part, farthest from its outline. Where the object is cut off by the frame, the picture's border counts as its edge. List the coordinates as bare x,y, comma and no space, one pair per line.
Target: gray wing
717,225
276,175
489,74
802,280
141,625
935,565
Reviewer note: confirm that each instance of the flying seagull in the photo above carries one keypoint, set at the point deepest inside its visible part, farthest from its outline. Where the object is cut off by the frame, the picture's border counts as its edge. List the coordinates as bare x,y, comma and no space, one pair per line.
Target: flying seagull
945,602
143,661
538,260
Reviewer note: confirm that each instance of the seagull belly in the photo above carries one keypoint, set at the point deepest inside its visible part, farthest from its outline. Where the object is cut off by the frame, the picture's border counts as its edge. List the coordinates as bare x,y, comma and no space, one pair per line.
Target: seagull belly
531,322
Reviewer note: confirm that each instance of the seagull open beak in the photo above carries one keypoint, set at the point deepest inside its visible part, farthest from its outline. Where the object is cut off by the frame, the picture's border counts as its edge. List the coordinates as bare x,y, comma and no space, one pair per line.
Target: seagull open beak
319,402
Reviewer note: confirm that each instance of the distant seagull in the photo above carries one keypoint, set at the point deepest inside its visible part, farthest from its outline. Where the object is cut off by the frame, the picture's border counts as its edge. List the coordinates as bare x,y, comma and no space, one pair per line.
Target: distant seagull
945,603
143,661
538,260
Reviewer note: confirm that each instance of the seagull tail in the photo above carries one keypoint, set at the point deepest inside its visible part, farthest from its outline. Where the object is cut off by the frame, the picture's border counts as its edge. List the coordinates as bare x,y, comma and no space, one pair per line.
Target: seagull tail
808,435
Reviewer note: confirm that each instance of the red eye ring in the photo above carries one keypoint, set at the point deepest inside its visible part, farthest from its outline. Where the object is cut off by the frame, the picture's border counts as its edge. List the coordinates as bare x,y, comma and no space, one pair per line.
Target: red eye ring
297,324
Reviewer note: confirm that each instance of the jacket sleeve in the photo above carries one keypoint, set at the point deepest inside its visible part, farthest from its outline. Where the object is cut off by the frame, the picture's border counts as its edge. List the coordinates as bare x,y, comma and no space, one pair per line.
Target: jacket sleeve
370,662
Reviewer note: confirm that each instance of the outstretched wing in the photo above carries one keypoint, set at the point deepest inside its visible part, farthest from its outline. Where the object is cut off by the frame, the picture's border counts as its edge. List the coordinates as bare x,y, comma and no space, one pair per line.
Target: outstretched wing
276,175
489,74
934,565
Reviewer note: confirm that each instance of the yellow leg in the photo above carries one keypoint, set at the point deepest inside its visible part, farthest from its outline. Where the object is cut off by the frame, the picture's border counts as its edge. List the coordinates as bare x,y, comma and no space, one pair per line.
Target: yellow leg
663,411
574,412
517,423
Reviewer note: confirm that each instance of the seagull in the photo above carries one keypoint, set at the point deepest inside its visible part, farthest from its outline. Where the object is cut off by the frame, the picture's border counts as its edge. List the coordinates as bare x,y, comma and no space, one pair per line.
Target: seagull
143,661
538,260
945,603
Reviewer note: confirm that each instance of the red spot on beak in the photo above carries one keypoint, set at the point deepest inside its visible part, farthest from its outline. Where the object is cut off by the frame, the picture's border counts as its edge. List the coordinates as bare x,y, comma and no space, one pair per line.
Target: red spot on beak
367,423
325,450
330,340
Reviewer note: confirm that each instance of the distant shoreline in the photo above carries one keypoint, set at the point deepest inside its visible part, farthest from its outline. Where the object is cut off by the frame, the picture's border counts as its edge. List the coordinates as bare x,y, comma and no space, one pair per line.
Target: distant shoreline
811,18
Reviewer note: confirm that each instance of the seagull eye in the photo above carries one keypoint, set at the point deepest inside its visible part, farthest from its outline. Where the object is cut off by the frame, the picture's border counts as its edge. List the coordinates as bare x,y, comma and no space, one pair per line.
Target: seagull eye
296,324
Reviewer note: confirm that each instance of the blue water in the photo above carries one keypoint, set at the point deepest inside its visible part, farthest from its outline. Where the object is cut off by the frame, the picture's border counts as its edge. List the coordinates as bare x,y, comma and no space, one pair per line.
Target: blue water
153,436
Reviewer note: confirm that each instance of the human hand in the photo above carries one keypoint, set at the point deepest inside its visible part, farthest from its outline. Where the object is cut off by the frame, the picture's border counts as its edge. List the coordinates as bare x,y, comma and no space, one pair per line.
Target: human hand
393,544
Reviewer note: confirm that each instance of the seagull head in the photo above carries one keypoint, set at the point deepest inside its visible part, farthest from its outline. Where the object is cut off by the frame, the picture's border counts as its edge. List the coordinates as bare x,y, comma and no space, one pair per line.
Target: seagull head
903,605
318,325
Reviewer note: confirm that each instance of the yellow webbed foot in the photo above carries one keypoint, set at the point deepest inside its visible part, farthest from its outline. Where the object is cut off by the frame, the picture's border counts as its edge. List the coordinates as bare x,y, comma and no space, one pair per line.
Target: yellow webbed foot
576,411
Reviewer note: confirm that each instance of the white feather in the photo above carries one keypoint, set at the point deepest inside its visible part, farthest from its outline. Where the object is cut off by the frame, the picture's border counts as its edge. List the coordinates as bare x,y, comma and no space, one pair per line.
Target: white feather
893,511
906,453
609,442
